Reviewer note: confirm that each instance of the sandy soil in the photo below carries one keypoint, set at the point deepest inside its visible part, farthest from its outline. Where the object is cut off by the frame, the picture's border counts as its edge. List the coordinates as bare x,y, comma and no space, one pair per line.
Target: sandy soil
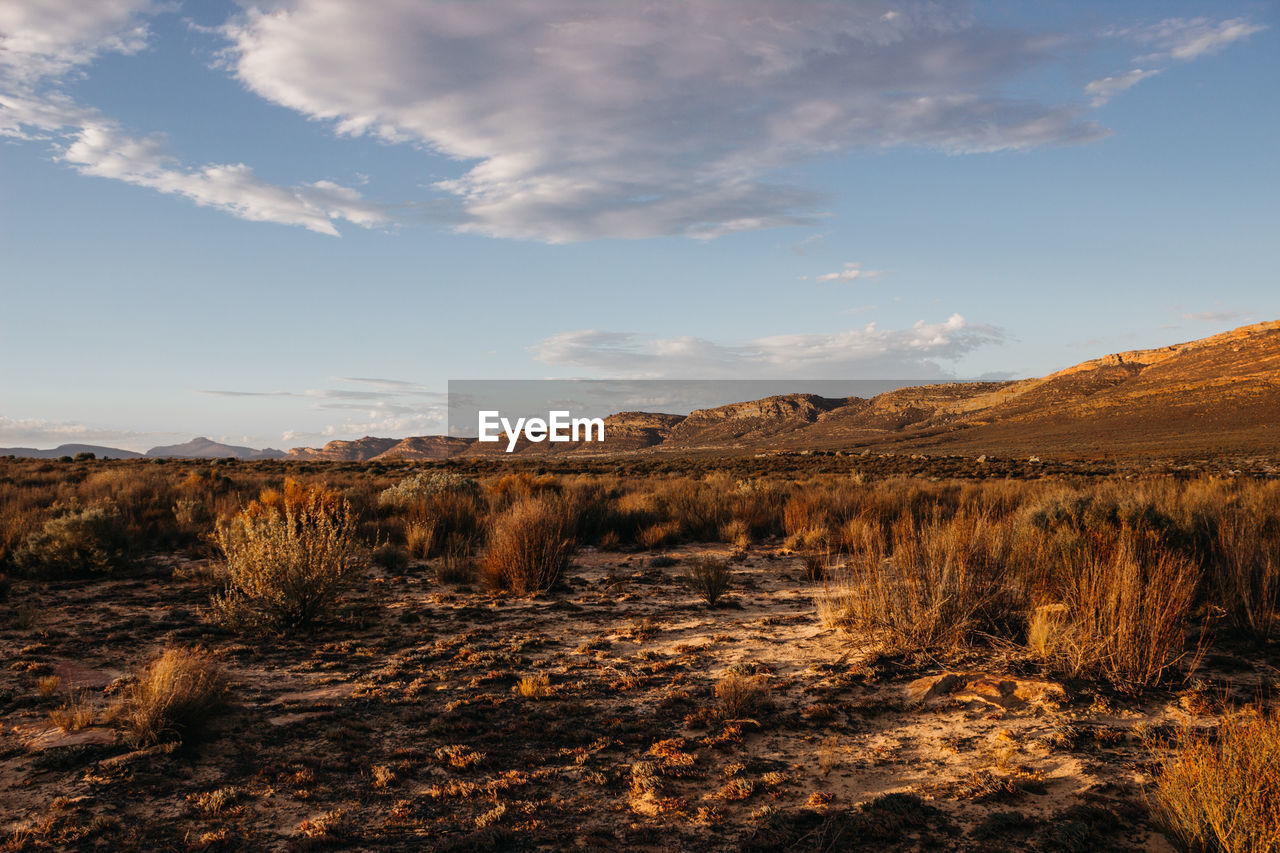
399,727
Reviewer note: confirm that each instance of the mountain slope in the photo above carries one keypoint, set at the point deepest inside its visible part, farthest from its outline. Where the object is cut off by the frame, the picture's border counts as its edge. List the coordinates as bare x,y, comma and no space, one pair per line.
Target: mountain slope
204,448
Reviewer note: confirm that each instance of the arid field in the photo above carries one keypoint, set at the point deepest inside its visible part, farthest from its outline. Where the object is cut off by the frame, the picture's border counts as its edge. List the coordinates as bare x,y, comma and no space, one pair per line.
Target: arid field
797,653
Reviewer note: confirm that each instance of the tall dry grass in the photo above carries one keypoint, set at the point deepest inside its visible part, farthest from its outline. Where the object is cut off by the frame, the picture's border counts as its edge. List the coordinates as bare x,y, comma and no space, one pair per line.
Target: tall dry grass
529,546
939,587
172,698
1120,609
1219,790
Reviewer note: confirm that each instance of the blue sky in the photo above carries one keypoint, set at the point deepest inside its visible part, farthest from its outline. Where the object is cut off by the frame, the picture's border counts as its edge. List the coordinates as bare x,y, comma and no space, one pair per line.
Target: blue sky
283,223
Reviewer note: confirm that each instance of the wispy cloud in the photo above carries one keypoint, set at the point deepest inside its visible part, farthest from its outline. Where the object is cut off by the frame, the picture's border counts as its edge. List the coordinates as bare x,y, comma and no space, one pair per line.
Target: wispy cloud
44,41
1213,316
1106,88
866,352
850,272
1188,38
383,407
1180,39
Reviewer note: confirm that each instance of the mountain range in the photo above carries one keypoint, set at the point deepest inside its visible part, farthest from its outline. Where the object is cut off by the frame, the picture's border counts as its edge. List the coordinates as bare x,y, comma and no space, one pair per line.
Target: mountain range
1214,396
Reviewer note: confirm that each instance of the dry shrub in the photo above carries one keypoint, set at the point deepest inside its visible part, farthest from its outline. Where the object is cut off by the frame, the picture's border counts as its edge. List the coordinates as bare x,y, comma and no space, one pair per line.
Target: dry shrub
75,540
513,488
942,586
530,546
173,698
738,695
1245,570
737,533
391,557
424,485
815,565
659,535
287,560
1125,615
809,539
804,513
710,578
456,564
698,508
1220,790
296,498
757,504
419,537
448,520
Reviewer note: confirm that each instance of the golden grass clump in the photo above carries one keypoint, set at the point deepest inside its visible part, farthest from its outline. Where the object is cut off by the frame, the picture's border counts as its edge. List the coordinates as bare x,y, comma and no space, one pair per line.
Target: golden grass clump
738,696
1123,613
533,687
1220,790
530,546
172,698
288,559
942,585
76,713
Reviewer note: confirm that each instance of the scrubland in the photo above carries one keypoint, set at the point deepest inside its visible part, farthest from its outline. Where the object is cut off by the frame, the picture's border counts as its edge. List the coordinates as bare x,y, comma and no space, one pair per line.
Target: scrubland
818,654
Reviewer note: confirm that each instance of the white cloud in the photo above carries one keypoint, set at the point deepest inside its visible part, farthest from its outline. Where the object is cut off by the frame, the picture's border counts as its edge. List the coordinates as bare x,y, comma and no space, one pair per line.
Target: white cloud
42,39
1189,38
850,272
101,149
862,353
44,434
45,38
580,120
1106,88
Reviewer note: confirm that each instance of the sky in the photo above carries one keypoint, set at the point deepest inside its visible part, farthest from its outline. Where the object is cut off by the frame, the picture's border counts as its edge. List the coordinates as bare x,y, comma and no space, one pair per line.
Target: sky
282,223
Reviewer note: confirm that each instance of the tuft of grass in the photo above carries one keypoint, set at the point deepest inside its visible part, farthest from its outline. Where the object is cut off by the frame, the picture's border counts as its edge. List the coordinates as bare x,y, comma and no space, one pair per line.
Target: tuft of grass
287,559
1220,790
75,714
738,695
815,566
530,546
533,687
172,698
48,685
215,802
659,535
710,578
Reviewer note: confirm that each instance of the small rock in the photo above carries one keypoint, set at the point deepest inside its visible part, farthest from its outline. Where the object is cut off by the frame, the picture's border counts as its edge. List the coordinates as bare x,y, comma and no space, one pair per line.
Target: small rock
1005,692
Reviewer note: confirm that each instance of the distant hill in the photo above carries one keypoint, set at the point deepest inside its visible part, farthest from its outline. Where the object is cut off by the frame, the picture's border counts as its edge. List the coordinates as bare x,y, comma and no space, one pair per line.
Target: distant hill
70,450
1217,395
204,448
1214,396
345,451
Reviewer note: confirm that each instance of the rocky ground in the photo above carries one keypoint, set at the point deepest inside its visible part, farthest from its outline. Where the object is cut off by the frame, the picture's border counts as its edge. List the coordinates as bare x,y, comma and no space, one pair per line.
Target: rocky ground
405,725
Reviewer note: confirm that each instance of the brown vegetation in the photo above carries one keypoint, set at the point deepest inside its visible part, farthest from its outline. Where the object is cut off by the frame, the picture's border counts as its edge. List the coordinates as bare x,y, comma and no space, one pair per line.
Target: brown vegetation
996,637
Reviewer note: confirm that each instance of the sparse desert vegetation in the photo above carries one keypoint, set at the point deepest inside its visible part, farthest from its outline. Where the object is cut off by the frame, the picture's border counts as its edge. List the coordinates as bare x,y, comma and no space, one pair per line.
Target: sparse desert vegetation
823,652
